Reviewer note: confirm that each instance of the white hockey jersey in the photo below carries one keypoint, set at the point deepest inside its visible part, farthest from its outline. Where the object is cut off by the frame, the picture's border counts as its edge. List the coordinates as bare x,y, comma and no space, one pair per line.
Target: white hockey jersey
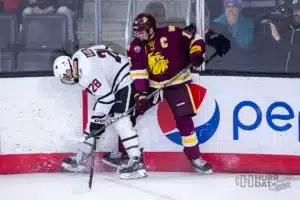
103,73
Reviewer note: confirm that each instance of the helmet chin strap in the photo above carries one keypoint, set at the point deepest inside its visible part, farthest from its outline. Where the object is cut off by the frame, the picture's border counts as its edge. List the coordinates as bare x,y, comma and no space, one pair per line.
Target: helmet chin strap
70,82
75,75
151,36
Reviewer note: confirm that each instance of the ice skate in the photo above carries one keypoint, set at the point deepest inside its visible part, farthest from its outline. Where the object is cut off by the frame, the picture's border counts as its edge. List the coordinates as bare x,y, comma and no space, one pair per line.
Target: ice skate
134,169
75,163
201,166
115,159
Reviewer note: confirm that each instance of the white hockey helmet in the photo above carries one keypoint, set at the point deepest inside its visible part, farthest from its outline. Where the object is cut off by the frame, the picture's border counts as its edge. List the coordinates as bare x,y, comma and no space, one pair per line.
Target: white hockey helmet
63,69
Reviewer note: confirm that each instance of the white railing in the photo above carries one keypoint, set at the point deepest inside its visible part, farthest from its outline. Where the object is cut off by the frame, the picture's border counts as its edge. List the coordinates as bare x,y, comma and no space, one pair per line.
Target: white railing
98,22
189,11
129,17
200,22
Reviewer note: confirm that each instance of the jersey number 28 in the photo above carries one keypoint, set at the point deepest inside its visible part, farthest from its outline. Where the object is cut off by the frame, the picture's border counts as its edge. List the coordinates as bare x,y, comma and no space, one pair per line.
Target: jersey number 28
94,85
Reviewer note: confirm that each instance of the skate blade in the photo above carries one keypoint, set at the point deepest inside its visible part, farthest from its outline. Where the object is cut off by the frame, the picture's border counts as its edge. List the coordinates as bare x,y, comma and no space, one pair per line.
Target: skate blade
208,172
77,169
134,175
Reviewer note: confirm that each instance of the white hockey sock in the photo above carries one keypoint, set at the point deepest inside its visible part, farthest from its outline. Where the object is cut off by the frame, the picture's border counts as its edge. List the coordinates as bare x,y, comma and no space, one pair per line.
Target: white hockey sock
131,145
128,136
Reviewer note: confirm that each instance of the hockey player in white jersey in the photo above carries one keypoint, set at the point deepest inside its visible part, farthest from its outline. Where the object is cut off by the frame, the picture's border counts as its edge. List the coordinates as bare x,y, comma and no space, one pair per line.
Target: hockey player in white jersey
104,74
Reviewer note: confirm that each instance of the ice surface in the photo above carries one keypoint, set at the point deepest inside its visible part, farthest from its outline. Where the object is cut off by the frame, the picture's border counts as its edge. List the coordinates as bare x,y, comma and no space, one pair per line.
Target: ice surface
158,186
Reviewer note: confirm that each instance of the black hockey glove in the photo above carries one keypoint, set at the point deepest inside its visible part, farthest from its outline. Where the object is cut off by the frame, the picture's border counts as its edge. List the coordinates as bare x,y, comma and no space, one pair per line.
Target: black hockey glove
190,28
218,41
97,123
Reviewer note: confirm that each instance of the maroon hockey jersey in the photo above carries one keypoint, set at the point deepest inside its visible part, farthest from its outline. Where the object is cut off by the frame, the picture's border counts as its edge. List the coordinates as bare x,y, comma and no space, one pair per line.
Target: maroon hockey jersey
165,55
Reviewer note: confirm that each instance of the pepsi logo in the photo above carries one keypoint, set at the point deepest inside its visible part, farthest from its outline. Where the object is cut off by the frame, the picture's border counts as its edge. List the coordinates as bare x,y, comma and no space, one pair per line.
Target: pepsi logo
203,131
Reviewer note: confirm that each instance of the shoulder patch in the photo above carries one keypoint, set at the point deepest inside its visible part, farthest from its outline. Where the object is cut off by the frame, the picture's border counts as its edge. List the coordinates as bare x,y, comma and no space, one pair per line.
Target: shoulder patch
88,53
137,49
172,28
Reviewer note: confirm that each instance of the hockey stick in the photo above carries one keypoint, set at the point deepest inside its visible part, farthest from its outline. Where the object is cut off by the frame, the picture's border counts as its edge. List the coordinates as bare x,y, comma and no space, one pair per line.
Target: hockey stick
96,132
211,57
93,152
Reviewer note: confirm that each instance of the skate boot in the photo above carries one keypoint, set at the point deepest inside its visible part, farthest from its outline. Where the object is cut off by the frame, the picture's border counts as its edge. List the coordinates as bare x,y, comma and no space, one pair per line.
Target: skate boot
75,163
134,169
201,166
115,159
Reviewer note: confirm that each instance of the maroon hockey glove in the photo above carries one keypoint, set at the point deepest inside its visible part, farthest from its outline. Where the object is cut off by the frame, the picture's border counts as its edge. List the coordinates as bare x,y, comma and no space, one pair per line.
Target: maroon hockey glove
142,104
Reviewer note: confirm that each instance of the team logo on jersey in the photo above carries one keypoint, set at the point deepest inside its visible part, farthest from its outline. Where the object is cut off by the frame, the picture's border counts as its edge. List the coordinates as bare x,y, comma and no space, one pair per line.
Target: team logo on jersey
145,19
137,49
204,131
157,63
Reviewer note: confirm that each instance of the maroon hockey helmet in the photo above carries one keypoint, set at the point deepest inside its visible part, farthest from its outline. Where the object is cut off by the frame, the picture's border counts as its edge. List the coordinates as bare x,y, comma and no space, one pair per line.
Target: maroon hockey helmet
143,23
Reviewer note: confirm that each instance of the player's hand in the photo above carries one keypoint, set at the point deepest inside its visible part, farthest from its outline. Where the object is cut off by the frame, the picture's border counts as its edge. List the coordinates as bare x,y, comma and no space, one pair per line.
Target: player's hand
97,123
266,21
142,105
190,28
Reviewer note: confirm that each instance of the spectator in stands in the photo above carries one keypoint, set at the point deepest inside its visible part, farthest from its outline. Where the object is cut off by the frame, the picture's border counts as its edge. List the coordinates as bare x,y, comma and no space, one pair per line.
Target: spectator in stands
232,22
9,6
287,37
239,30
49,7
1,7
157,10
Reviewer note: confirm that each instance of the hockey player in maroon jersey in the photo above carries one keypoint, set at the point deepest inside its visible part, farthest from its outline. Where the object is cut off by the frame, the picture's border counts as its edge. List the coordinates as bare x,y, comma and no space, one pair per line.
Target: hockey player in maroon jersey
216,40
157,55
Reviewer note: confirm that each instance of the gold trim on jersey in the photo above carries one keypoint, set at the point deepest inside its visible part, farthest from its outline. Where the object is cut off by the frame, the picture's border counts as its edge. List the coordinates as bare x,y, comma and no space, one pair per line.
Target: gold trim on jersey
191,98
139,74
196,38
181,79
196,48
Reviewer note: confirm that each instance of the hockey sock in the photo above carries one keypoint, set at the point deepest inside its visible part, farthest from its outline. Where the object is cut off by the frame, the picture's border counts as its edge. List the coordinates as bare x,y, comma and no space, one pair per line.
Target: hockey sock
129,136
189,138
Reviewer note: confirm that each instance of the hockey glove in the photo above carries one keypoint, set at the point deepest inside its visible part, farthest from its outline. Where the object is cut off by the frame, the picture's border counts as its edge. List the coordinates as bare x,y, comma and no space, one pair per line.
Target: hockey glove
190,28
97,123
218,41
142,104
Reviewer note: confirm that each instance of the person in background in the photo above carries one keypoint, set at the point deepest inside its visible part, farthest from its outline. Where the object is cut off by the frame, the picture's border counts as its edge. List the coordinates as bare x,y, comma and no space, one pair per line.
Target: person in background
238,28
1,7
287,38
157,10
49,7
9,6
